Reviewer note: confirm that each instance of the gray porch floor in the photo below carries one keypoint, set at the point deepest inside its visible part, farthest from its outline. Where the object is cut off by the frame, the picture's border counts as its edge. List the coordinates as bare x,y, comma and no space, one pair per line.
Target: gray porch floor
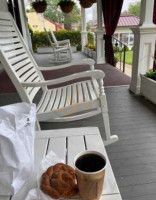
45,59
133,158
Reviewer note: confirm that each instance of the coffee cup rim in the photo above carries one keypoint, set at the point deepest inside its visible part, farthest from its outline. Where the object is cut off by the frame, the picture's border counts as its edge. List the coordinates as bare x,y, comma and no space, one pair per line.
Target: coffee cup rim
89,152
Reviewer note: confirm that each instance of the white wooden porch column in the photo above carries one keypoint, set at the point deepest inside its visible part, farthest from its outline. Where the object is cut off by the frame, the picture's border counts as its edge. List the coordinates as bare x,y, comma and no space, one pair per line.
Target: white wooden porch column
84,38
100,54
144,44
24,23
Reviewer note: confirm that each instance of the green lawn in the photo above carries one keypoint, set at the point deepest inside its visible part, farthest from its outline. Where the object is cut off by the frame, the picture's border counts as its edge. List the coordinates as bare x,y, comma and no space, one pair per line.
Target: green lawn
129,57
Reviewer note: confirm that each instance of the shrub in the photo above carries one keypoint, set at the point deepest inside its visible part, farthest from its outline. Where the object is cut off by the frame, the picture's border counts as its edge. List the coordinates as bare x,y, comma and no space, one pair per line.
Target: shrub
126,48
91,45
116,49
40,39
151,74
132,48
74,36
30,30
90,37
79,47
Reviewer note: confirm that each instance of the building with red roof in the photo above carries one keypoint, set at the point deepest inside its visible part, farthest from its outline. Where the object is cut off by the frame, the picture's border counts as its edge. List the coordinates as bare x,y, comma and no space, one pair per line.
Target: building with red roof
128,20
123,31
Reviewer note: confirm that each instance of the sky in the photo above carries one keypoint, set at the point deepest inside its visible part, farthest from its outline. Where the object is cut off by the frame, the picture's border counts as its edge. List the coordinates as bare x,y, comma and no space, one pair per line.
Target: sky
125,7
89,10
126,4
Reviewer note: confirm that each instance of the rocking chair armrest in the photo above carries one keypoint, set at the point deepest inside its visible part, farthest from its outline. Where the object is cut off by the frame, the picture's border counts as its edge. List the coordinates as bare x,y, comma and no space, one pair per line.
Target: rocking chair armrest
60,47
97,74
54,44
89,62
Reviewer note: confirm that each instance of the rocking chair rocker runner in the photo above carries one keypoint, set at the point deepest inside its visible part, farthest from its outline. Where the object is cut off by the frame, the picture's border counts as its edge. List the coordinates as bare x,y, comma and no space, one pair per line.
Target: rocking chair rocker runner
70,102
60,51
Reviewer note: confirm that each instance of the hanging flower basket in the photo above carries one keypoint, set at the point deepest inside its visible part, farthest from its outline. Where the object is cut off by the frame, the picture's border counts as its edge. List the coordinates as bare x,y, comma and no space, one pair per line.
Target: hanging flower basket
66,5
39,6
86,3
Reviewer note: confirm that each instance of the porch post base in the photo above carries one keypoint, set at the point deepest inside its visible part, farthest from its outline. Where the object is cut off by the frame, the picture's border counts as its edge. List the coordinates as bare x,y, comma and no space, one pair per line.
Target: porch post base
144,46
84,39
135,89
100,54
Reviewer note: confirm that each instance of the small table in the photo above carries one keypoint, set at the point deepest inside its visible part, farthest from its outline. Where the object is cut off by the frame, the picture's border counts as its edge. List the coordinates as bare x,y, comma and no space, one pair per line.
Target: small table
66,143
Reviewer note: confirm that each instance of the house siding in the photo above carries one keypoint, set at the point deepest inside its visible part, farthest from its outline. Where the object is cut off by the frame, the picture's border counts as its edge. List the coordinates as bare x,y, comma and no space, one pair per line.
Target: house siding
37,22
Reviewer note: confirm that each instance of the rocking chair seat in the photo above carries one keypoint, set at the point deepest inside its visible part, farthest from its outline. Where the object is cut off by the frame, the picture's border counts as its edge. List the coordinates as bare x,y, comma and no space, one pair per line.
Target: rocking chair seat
68,100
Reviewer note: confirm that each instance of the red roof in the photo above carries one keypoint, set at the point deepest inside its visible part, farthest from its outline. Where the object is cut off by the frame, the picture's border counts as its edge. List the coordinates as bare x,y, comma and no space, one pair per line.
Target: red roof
128,20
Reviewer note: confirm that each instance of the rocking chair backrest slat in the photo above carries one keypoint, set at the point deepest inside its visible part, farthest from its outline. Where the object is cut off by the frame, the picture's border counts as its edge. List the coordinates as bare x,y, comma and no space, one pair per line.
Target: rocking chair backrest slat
53,36
49,39
16,58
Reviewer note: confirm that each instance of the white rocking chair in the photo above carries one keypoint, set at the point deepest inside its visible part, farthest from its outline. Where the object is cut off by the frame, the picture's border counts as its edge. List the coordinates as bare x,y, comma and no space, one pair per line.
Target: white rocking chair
61,53
70,102
59,43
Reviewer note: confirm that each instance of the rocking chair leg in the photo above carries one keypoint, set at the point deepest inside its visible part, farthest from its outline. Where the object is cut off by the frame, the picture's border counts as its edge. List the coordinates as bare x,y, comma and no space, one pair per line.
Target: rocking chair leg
70,54
109,139
59,56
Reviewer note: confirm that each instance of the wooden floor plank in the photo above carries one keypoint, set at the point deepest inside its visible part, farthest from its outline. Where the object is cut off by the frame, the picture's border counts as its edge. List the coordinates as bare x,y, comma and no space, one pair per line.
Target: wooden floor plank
137,179
131,147
148,197
134,170
138,190
132,154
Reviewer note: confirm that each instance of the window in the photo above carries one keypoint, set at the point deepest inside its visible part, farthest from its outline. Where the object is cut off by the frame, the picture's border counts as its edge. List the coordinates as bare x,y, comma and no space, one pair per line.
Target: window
124,38
131,38
34,26
116,35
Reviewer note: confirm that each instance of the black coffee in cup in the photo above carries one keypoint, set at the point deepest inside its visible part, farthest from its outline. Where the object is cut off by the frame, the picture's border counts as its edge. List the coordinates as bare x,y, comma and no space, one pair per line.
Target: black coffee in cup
90,171
90,163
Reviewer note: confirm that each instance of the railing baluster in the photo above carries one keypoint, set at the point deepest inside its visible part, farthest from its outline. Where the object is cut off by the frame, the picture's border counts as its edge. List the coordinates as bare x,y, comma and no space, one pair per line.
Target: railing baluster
122,53
124,58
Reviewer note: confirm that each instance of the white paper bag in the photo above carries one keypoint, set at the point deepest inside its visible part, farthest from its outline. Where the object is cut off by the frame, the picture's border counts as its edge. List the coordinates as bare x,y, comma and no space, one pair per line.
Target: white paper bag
17,130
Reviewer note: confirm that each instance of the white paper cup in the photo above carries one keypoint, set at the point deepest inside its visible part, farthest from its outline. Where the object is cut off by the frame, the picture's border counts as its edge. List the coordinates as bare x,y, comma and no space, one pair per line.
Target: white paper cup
90,172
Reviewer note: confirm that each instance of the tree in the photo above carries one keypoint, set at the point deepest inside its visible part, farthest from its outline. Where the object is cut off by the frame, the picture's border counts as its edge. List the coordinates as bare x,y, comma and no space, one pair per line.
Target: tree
55,14
135,9
52,11
73,17
88,26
